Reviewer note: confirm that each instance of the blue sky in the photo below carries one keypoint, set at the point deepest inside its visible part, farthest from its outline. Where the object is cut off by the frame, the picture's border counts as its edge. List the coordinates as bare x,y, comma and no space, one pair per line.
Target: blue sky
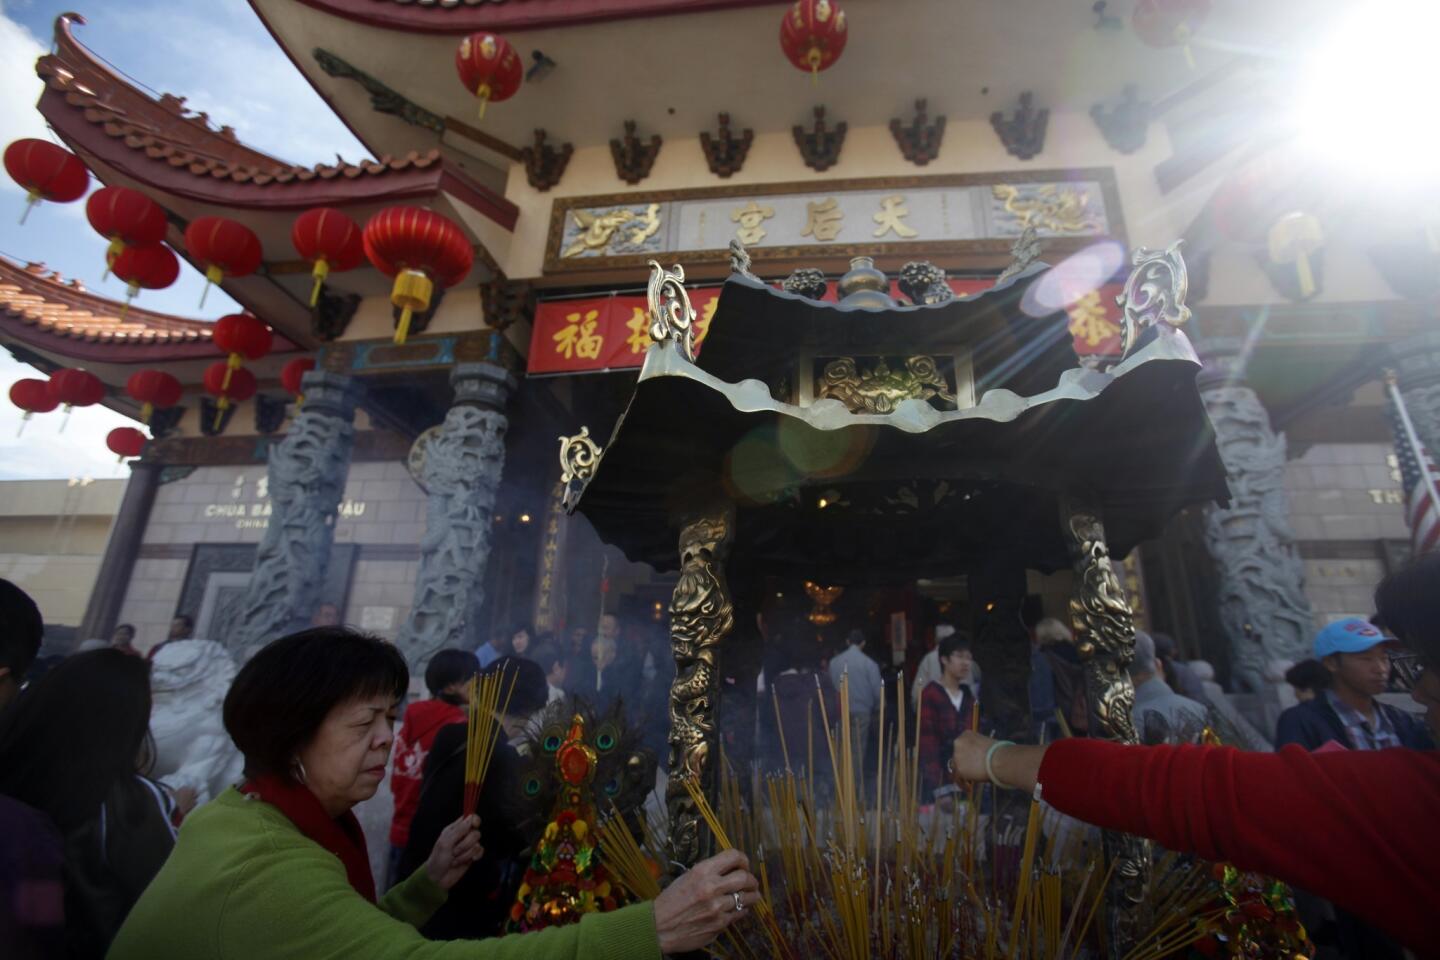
218,55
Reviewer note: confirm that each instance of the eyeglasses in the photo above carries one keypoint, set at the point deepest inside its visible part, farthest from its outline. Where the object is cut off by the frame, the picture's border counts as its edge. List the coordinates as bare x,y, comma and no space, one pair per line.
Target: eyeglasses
1407,670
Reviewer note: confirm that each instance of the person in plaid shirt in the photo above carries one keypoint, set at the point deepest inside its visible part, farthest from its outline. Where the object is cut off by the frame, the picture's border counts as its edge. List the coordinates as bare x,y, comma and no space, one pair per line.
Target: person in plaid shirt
946,709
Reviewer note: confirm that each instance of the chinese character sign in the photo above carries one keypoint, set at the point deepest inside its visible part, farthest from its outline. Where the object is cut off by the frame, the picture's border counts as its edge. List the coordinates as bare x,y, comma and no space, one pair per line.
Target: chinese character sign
591,334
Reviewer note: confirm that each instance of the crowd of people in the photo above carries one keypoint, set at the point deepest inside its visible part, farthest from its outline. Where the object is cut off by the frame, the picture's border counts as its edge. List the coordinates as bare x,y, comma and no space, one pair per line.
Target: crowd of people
271,860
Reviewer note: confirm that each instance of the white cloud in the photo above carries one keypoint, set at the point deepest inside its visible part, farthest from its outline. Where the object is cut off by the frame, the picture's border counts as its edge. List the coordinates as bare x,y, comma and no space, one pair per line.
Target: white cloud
18,116
43,452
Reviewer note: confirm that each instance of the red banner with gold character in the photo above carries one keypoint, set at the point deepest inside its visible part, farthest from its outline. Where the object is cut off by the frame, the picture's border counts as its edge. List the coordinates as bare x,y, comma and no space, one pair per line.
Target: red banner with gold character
590,334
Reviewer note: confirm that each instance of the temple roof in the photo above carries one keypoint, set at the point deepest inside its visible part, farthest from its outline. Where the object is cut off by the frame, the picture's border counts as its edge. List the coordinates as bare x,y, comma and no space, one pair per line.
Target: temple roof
459,16
42,309
163,144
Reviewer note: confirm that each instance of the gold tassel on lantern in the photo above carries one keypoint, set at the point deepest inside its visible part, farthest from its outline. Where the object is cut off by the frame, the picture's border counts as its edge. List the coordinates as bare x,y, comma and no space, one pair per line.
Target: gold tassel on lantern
321,271
231,365
213,274
220,409
411,292
483,92
1292,239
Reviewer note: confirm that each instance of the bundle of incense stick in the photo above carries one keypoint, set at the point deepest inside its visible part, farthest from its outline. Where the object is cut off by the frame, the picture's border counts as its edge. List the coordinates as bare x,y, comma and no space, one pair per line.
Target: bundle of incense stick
625,857
483,731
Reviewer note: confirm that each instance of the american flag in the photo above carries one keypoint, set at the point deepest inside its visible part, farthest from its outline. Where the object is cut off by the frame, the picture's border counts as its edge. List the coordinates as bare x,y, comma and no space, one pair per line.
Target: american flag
1417,477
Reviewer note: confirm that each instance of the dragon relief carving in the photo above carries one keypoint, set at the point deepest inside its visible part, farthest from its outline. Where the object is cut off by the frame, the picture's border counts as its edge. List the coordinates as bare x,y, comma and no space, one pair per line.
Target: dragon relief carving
880,389
463,466
1261,576
1105,639
306,482
701,617
598,231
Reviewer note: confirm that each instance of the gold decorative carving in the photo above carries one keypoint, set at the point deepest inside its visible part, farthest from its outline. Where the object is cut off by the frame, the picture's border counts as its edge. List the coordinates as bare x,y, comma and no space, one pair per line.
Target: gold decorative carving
822,597
823,219
671,315
1105,635
648,226
1154,293
1057,209
879,389
579,456
701,617
891,216
599,228
751,217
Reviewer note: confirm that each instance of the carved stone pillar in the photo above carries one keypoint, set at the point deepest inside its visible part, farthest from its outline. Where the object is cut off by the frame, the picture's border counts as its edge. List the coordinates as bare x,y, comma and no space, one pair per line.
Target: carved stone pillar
120,551
701,617
463,466
1261,577
1417,362
1105,638
307,472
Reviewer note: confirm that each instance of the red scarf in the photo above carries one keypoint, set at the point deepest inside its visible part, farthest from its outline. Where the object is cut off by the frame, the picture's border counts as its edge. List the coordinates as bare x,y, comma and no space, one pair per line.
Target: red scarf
342,836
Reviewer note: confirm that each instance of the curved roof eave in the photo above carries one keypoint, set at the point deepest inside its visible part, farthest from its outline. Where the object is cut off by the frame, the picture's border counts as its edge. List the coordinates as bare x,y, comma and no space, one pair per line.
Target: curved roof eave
463,16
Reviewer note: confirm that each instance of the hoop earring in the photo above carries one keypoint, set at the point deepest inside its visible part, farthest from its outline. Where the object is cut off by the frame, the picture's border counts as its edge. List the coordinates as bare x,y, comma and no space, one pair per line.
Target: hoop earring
298,770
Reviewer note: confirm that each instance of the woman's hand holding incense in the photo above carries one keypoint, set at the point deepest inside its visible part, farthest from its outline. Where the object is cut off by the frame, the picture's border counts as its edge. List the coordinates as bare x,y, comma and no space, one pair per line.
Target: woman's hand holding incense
696,907
457,847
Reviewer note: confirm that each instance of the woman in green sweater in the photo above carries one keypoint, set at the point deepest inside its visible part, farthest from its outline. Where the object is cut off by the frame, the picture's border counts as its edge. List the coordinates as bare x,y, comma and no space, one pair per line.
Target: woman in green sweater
277,868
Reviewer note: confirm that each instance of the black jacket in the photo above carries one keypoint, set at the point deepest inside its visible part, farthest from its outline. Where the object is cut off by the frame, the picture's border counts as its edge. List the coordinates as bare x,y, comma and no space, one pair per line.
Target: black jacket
1313,723
480,903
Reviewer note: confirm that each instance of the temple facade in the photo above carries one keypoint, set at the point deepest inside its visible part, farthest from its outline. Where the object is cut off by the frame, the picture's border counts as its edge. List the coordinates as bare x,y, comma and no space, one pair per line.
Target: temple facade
416,492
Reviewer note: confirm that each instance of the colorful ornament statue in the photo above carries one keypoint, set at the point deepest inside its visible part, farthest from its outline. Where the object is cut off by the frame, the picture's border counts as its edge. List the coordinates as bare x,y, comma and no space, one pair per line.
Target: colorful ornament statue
566,878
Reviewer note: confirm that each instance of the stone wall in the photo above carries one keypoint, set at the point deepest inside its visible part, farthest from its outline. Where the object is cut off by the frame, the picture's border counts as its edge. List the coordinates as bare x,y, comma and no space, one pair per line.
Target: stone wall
381,519
1345,507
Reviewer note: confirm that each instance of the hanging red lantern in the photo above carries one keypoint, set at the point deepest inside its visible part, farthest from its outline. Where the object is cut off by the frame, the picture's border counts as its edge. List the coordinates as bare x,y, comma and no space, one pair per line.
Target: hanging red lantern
76,388
419,249
243,337
1170,23
33,396
152,389
126,442
330,240
230,386
489,67
813,35
292,377
47,172
223,248
125,217
145,268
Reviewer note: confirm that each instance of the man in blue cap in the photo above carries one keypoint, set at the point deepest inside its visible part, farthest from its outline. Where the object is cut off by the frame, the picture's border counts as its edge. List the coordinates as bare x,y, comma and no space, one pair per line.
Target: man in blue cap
1357,655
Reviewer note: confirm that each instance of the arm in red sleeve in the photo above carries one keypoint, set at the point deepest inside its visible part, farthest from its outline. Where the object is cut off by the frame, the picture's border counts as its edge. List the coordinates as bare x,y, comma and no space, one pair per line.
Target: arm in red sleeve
1357,828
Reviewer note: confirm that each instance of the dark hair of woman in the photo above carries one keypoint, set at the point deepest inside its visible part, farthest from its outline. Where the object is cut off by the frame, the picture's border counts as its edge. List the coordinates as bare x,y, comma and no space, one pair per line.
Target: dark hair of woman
1407,603
447,667
525,683
953,644
75,732
281,696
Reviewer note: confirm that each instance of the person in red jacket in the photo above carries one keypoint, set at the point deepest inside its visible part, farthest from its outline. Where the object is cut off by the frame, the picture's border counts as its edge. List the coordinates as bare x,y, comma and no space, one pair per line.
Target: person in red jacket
447,677
1359,828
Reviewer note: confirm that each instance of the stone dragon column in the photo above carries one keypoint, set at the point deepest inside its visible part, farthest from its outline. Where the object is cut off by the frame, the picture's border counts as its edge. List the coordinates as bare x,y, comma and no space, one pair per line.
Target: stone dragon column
1261,577
307,472
462,472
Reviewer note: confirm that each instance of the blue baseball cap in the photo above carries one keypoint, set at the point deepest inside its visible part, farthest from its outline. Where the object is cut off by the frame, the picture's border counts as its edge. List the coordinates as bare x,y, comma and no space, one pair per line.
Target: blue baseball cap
1351,635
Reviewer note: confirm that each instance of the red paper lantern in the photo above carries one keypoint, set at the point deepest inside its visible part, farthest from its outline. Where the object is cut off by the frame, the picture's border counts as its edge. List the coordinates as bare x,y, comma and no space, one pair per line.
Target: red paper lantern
47,172
125,442
813,34
125,217
489,67
241,336
223,248
330,240
419,249
33,396
152,389
292,376
1169,23
76,388
230,386
147,268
